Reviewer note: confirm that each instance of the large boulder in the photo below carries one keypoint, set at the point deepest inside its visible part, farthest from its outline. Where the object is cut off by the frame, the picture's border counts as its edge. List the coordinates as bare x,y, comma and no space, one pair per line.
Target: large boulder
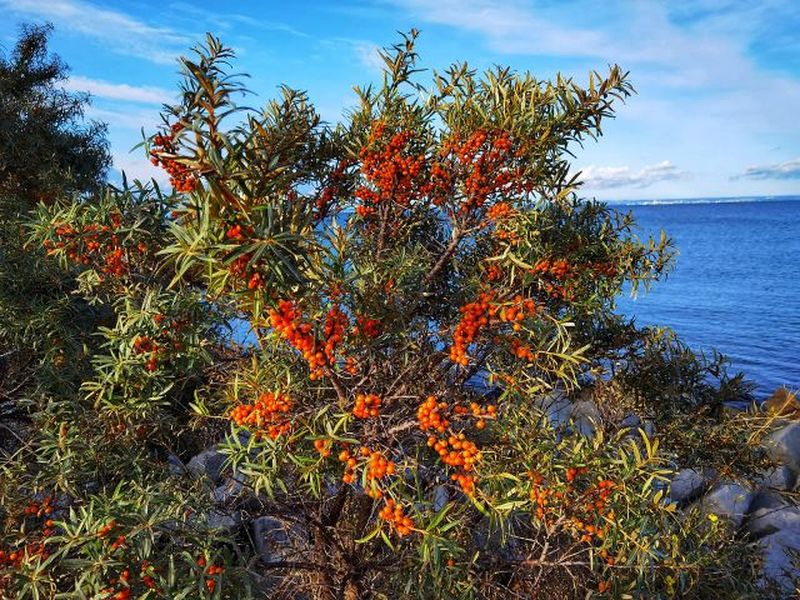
783,446
730,501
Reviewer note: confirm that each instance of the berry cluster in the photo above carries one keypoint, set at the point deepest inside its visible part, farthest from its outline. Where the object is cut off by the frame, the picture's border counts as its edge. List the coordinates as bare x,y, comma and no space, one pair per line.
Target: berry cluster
211,571
457,451
335,324
287,321
592,508
522,351
481,415
475,316
581,509
367,327
494,273
394,514
350,463
163,154
238,232
430,415
242,269
323,447
378,466
367,405
393,174
143,344
559,269
268,414
333,187
165,339
124,593
485,311
488,157
95,245
500,211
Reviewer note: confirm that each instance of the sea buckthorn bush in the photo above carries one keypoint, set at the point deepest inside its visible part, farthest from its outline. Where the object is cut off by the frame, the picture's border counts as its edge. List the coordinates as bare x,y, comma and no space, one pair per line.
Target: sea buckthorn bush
363,319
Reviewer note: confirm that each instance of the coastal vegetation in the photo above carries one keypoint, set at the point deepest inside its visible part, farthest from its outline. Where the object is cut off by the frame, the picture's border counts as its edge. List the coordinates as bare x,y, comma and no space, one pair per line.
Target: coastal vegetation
376,359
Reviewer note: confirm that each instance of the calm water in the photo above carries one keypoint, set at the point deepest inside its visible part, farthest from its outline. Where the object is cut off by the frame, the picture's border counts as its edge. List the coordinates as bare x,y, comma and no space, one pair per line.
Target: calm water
736,287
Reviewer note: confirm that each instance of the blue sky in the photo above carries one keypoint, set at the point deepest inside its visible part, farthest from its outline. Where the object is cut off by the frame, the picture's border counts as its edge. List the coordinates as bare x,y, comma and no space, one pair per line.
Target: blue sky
718,81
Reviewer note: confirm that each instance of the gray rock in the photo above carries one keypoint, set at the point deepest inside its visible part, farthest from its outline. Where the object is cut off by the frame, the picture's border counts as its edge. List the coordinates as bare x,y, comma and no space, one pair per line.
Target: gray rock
176,466
222,521
765,521
633,423
766,499
441,497
272,539
228,491
727,500
780,564
780,478
208,463
783,446
556,407
586,417
688,484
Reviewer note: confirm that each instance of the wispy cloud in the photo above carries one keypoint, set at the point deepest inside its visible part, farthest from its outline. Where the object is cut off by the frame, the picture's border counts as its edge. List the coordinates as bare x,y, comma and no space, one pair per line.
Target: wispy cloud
615,177
366,52
227,20
118,91
508,27
786,170
116,30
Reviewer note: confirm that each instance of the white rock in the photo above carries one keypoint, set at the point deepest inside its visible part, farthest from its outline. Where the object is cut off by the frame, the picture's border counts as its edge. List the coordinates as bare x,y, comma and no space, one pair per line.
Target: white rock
208,463
728,500
687,484
783,446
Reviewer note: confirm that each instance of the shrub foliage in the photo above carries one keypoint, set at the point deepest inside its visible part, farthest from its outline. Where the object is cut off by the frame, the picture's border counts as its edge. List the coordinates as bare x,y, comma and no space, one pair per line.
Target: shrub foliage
368,319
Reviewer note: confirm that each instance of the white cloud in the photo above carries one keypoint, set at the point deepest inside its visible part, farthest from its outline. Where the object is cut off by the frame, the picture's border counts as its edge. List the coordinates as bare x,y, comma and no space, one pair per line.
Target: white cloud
118,91
615,177
117,31
786,170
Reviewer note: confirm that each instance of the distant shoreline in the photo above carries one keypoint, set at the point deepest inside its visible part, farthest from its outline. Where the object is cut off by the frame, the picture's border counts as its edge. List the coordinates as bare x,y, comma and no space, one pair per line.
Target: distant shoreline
711,200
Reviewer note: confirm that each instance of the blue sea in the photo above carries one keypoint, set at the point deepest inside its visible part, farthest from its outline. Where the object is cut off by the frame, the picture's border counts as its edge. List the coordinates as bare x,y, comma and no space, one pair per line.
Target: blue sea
736,285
